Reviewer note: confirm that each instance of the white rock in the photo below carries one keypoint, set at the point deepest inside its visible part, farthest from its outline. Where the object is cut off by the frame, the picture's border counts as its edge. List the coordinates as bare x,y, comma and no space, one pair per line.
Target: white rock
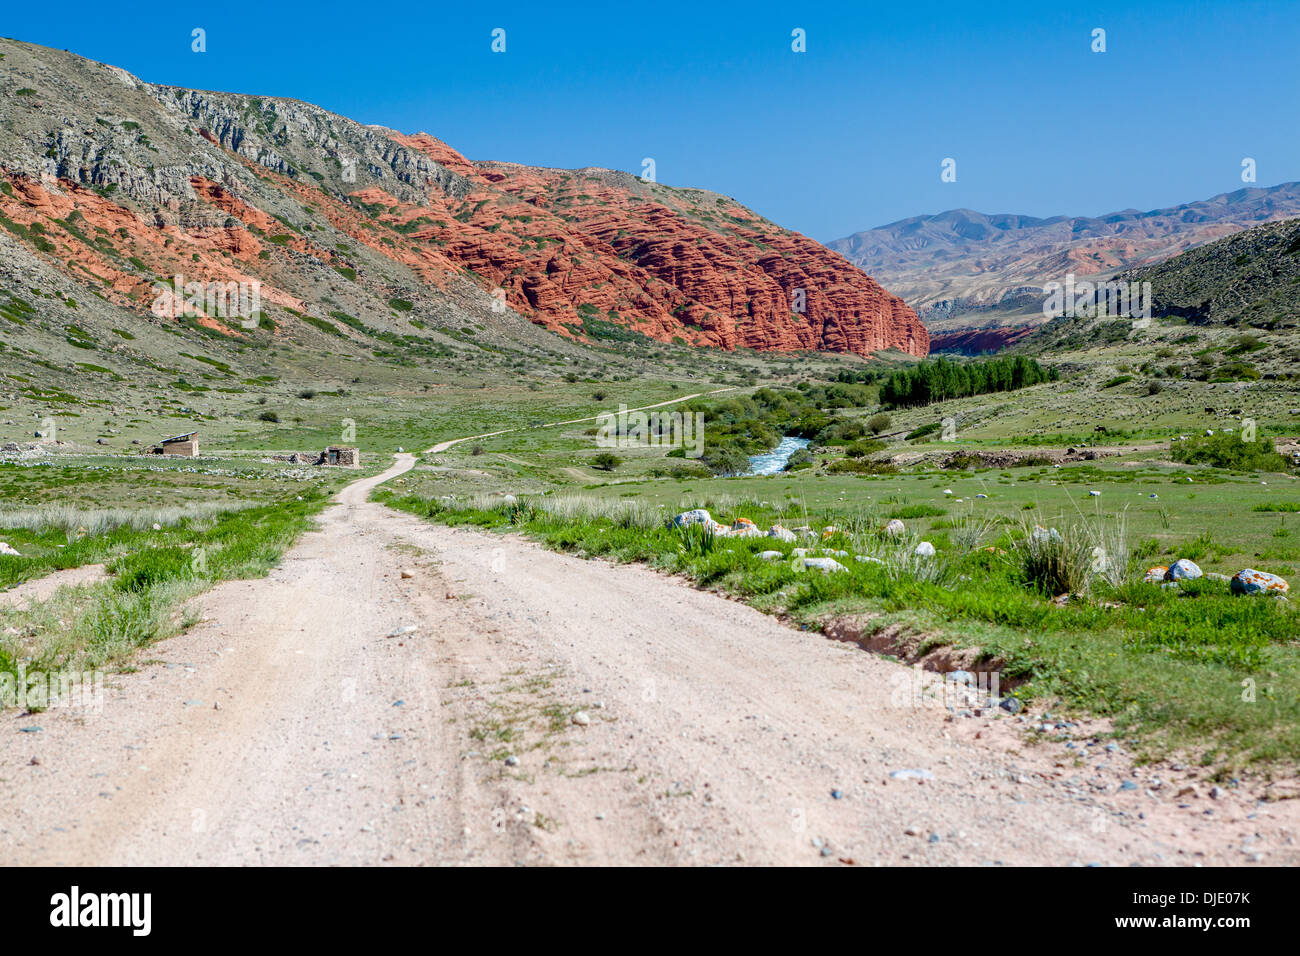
780,533
7,548
770,555
1046,534
694,516
925,549
824,565
581,718
1250,581
895,528
1183,569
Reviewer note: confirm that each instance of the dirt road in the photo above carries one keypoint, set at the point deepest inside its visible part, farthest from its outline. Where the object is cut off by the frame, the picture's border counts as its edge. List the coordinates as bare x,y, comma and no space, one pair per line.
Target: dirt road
504,704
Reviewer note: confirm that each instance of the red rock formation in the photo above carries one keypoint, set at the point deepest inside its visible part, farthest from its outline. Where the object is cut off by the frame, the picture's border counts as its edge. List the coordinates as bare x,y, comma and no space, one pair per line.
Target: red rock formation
575,251
577,246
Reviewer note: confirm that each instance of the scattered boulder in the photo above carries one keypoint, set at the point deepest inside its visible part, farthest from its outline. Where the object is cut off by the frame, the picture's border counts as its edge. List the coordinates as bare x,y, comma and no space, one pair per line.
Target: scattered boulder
744,528
824,565
7,548
770,555
780,533
1046,534
1250,581
1156,575
694,516
925,549
1183,569
895,528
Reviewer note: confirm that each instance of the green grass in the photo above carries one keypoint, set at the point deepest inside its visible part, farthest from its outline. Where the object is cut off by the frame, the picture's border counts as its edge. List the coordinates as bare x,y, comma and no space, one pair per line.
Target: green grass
1164,663
153,572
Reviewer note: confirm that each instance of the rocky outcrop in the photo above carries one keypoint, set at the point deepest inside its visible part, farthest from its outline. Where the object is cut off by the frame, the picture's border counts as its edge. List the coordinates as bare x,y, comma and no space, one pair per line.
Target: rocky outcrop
226,187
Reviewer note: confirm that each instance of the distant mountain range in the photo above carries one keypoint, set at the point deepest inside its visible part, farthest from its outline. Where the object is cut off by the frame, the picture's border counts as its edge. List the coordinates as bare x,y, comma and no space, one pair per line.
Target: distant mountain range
963,270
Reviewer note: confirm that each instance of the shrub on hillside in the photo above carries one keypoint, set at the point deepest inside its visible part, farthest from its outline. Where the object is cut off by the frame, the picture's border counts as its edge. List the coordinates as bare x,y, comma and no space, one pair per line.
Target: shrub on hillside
1227,450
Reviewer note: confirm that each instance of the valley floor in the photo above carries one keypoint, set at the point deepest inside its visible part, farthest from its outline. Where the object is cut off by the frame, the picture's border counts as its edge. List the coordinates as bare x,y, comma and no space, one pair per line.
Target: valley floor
358,705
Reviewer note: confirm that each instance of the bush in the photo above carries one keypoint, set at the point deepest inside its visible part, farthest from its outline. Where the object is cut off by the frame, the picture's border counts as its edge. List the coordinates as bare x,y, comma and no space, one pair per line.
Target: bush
861,449
878,423
921,432
606,461
268,417
848,466
1228,451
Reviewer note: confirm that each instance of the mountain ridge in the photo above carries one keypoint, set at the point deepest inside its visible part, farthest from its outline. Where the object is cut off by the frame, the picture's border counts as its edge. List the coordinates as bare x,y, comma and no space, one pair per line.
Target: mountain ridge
574,252
963,270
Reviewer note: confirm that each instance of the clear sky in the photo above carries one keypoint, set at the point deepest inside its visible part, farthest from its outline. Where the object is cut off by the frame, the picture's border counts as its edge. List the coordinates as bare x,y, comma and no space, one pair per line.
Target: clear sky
845,136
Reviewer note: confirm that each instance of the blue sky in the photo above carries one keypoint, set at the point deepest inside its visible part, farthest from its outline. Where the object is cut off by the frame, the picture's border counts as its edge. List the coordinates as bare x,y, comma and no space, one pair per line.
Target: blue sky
845,136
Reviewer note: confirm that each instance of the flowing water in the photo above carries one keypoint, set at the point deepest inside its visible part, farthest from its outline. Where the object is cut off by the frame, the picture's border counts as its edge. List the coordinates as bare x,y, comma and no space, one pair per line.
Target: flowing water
774,461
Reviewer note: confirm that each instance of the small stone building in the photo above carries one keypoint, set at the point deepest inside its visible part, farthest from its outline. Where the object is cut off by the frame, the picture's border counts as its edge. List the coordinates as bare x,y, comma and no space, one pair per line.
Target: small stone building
186,445
344,456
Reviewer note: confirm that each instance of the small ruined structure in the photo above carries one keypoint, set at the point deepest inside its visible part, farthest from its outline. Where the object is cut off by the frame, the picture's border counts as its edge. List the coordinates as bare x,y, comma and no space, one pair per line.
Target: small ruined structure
344,456
186,445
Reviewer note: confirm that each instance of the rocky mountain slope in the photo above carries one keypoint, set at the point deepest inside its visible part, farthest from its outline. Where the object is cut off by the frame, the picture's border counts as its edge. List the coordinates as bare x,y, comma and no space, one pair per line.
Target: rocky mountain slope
1248,279
117,183
965,270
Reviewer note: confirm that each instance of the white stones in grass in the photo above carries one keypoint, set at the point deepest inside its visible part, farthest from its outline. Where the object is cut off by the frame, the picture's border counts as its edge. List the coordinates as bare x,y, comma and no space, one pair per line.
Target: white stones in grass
824,565
692,517
1250,581
925,549
1184,569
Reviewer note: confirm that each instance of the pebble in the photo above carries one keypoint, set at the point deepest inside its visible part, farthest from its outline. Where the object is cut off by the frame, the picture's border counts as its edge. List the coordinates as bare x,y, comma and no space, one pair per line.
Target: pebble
911,775
408,629
512,761
33,729
837,794
581,718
